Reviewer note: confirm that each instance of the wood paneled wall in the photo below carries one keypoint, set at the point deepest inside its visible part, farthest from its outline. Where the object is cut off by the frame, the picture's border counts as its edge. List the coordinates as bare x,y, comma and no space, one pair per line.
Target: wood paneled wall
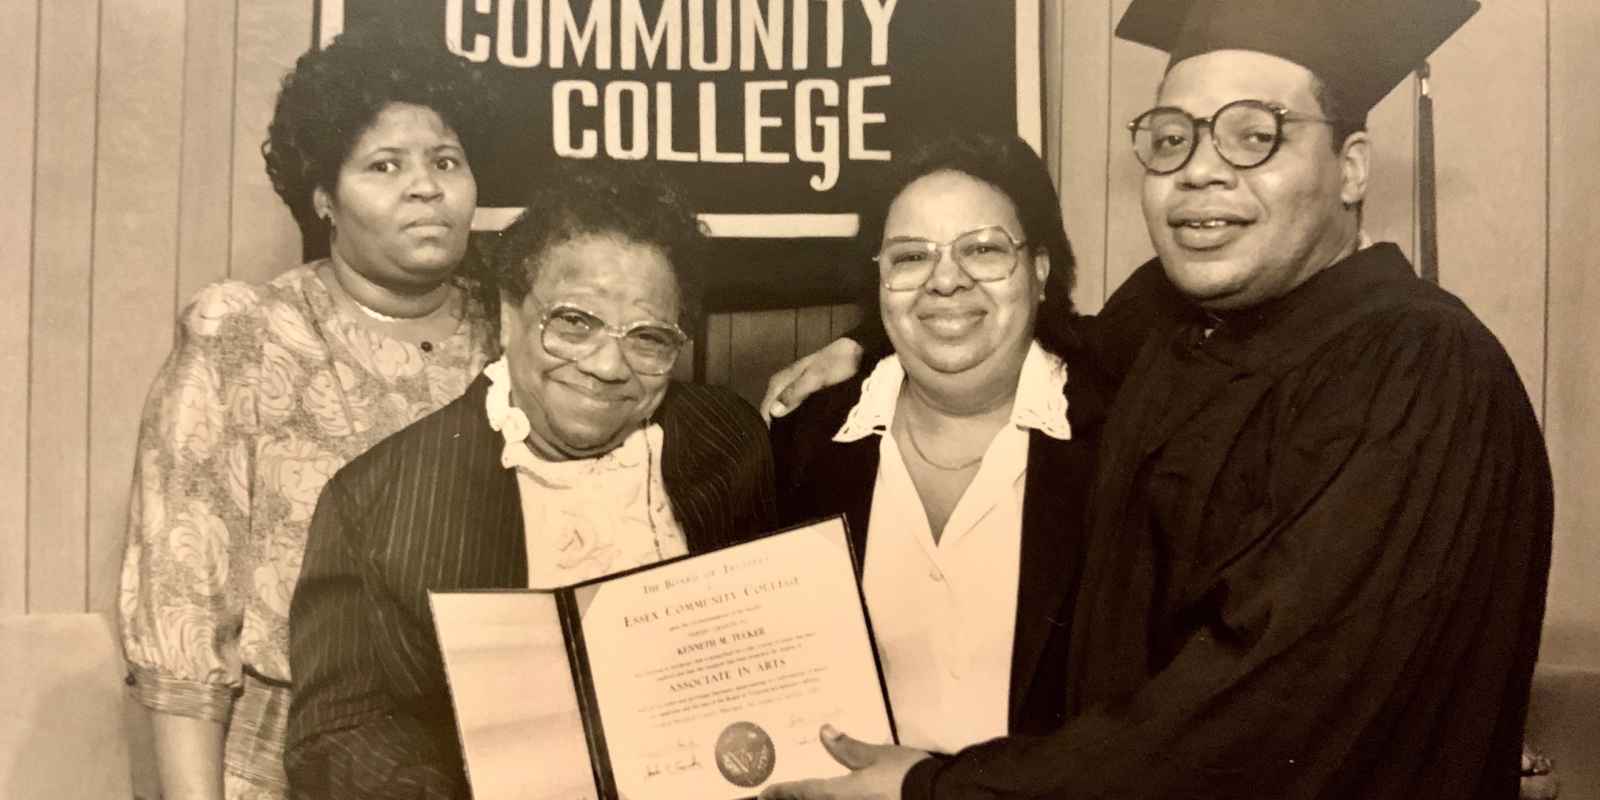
143,139
132,128
141,120
17,136
1572,329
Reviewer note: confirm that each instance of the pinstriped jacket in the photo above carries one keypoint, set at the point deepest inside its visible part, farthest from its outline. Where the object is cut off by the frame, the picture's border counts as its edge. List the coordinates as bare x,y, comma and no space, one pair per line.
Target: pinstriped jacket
431,508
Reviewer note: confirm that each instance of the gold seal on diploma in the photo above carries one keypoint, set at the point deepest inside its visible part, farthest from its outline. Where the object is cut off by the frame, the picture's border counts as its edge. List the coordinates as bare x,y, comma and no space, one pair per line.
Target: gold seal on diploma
745,754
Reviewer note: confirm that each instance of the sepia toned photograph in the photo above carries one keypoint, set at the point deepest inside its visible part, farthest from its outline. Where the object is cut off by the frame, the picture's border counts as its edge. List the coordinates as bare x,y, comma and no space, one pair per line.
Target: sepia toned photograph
1192,399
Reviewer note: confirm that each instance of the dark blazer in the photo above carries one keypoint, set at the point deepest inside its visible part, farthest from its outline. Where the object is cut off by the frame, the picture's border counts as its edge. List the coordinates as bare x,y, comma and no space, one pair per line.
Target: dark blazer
431,508
818,477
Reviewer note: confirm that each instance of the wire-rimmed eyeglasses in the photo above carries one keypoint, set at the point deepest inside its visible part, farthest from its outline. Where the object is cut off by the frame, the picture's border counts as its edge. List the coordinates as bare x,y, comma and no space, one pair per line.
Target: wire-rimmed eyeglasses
1245,134
572,333
985,254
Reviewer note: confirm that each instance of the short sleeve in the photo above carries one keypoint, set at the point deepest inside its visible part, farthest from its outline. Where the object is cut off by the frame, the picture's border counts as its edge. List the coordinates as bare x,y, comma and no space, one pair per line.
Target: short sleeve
181,608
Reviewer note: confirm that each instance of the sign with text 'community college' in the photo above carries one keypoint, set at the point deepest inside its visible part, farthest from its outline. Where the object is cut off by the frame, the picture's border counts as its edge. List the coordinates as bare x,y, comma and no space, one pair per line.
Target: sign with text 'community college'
776,114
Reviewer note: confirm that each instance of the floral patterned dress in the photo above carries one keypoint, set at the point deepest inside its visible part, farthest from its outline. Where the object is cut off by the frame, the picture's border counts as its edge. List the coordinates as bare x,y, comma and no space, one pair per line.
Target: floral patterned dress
268,391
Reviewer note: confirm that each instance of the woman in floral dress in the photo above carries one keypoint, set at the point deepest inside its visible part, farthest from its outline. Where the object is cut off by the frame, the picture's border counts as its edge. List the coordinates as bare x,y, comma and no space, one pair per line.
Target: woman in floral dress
270,388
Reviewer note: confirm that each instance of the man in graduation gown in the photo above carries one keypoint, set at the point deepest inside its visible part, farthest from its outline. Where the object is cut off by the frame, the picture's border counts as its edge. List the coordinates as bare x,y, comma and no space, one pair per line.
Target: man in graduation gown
1320,531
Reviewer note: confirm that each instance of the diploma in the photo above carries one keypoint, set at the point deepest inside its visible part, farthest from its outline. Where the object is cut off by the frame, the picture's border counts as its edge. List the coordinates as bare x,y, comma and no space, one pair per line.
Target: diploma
704,677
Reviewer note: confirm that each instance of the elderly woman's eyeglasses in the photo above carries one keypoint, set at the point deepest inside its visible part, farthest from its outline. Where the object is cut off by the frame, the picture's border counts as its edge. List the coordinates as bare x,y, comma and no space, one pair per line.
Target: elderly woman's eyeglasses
571,333
1245,134
986,254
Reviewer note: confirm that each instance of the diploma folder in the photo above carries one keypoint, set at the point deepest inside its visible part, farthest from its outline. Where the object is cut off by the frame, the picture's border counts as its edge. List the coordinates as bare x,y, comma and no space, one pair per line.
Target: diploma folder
703,677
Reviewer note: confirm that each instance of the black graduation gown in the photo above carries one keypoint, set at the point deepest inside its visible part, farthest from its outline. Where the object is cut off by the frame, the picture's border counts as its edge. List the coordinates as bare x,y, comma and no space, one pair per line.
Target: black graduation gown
1319,545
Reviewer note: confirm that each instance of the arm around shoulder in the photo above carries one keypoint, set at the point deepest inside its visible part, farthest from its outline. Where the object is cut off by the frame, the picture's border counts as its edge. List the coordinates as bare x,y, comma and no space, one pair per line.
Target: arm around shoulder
754,490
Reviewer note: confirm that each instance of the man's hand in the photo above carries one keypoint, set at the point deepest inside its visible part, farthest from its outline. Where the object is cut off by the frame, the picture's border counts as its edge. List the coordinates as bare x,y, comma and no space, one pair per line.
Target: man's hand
832,365
876,772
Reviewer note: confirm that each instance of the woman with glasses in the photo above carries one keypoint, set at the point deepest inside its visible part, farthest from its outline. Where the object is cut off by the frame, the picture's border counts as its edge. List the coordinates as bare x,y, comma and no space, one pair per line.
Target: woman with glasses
961,460
572,457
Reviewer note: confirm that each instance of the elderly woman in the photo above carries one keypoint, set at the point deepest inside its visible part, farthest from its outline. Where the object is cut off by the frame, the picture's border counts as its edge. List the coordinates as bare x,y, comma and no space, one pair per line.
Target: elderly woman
271,387
962,460
572,457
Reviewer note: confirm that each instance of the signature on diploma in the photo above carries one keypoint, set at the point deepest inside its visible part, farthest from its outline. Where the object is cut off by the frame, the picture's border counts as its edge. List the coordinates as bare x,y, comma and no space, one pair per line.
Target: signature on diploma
804,727
681,757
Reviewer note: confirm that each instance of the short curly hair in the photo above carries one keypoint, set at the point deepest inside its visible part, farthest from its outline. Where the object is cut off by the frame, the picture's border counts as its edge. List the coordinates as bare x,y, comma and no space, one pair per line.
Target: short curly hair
334,94
630,200
1010,165
1343,119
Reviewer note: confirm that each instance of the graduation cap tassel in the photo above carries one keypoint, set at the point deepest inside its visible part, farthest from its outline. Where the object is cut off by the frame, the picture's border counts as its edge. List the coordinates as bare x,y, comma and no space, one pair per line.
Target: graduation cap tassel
1427,196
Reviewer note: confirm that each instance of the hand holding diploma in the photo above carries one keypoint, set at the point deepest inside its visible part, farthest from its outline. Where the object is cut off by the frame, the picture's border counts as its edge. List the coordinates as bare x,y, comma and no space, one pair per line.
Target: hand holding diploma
704,677
876,772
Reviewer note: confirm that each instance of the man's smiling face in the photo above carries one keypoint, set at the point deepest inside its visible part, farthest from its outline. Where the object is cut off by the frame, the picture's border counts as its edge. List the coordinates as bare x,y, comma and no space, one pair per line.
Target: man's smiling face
1234,238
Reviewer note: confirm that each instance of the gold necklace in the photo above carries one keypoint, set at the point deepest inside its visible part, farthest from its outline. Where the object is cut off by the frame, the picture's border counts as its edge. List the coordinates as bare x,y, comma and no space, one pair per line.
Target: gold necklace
911,434
374,313
453,297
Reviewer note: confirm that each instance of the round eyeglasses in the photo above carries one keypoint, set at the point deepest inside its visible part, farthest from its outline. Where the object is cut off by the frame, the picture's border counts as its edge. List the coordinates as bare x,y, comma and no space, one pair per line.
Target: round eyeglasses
572,334
1245,134
985,254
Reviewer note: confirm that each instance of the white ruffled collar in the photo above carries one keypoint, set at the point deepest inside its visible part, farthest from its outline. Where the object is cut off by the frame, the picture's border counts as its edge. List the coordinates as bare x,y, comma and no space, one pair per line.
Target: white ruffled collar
1040,404
513,425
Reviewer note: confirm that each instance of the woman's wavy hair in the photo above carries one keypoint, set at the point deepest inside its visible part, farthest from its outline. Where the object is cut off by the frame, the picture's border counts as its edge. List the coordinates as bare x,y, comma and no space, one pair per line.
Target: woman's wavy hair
334,94
627,199
1009,164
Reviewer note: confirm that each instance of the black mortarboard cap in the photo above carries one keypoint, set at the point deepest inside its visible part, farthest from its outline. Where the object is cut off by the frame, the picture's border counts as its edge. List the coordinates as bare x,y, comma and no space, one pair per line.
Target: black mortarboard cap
1360,48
